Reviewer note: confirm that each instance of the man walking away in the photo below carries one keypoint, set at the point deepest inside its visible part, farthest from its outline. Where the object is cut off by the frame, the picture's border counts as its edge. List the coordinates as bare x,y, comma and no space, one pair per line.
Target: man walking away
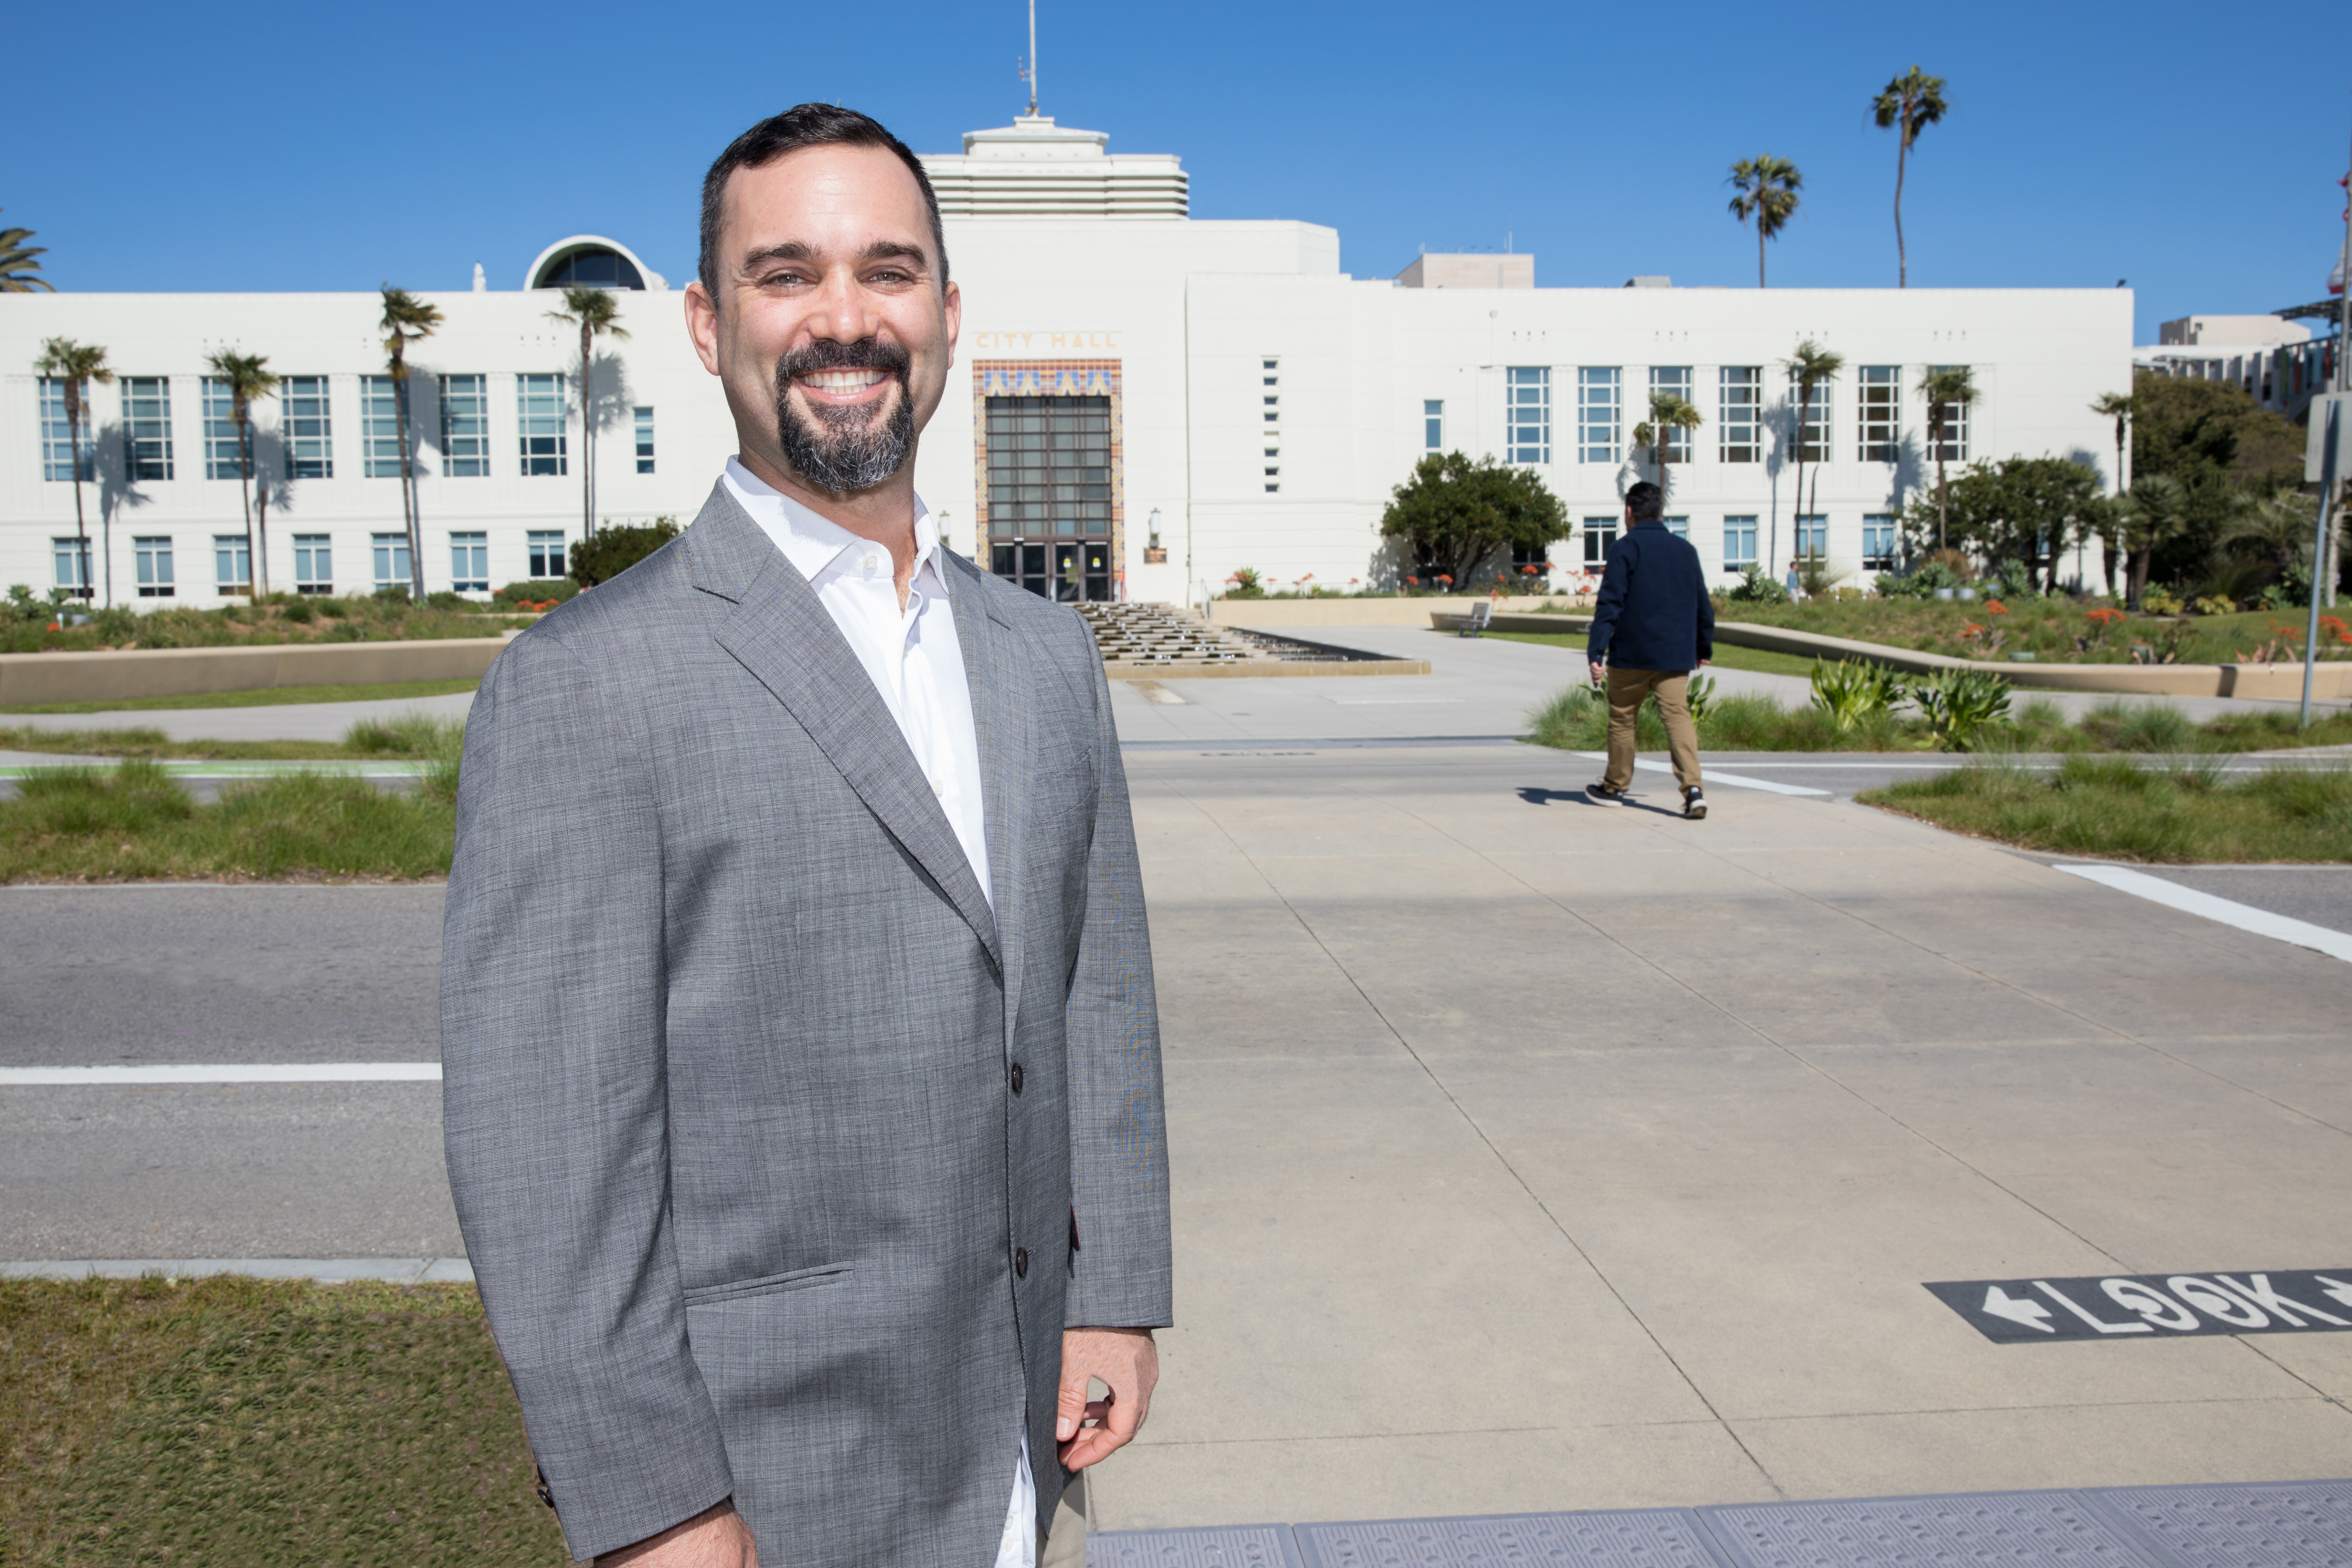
1653,626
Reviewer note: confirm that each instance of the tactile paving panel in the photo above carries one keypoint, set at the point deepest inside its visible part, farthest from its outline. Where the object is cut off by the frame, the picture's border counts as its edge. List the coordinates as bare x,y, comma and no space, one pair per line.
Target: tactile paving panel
2298,1524
1225,1546
1642,1537
2025,1530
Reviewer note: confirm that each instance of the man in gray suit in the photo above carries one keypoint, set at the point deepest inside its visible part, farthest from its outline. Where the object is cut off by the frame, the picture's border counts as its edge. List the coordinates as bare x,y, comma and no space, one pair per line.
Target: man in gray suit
801,1063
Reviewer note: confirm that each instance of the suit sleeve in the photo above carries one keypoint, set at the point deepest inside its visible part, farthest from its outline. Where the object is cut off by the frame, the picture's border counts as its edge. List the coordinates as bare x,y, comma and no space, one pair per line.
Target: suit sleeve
555,1101
1610,603
1119,1133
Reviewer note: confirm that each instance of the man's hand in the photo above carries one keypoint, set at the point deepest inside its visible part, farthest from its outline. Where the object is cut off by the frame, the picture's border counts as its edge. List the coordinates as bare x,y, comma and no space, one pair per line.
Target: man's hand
1705,662
715,1538
1129,1363
1599,673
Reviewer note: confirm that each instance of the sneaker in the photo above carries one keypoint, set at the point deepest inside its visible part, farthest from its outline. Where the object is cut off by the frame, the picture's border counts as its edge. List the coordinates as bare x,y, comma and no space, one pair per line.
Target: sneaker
1601,789
1695,804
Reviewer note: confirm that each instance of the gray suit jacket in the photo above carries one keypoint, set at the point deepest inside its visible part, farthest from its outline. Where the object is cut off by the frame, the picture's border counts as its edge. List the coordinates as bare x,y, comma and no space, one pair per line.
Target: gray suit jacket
782,1164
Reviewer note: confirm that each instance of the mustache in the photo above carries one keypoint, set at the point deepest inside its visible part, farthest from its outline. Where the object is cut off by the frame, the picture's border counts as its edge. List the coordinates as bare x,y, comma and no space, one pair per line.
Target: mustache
823,354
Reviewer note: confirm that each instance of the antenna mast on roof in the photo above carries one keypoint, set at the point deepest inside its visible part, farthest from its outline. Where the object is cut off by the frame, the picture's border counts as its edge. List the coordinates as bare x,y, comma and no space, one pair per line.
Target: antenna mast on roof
1029,71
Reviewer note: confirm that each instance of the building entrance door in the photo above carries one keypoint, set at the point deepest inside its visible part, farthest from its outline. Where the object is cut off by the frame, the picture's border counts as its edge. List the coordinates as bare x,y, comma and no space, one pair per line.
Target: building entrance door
1049,495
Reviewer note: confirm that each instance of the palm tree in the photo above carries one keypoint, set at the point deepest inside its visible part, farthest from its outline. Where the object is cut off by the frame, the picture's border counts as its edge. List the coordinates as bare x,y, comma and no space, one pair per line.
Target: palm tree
1912,102
1669,412
406,319
1768,188
1947,387
247,377
78,365
17,264
1812,366
2156,509
2117,406
596,314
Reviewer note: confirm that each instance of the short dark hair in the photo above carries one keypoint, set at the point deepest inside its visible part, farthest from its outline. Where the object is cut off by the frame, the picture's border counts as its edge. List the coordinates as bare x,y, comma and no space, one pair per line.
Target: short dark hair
1648,501
806,125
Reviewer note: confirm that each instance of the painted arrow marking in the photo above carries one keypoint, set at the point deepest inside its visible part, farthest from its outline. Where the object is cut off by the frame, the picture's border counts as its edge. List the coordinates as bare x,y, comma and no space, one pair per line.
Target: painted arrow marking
2000,1304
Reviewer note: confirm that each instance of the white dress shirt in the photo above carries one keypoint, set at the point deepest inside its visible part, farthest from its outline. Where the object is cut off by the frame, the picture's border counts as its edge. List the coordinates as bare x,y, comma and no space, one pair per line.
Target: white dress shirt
915,662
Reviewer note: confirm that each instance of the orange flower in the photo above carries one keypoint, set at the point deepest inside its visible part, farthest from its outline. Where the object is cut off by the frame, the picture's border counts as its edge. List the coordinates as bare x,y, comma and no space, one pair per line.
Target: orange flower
1995,607
2103,617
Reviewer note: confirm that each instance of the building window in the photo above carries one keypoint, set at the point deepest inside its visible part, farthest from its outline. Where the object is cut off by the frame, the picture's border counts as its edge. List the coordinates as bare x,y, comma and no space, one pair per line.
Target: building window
314,564
380,439
1878,543
70,559
56,433
1955,446
304,426
1736,425
541,411
547,554
1813,435
392,562
154,557
232,563
222,455
1881,413
465,427
1432,424
1526,413
1812,537
1598,405
1676,379
1738,543
469,562
1530,563
147,426
1600,533
1050,494
645,423
1677,526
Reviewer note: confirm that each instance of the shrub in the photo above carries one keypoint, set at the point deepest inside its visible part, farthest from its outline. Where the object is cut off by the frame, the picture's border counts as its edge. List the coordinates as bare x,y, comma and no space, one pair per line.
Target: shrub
615,549
1850,691
299,612
1958,704
536,593
1755,588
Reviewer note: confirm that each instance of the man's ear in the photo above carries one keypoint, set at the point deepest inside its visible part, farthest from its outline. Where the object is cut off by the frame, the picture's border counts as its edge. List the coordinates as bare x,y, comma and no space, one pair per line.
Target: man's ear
702,324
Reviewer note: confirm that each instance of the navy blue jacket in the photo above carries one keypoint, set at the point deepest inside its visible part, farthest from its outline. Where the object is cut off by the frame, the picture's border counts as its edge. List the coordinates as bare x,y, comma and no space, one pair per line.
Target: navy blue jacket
1653,611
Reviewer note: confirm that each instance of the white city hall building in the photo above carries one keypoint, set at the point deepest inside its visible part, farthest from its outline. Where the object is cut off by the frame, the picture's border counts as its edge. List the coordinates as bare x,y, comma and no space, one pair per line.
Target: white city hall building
1144,403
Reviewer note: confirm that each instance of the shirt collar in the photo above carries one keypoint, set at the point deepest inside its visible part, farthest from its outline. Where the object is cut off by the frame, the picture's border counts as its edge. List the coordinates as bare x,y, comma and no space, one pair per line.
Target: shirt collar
814,545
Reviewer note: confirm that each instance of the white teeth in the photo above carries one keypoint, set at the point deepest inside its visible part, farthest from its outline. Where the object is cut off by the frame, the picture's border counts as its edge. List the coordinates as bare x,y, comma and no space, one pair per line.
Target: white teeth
842,380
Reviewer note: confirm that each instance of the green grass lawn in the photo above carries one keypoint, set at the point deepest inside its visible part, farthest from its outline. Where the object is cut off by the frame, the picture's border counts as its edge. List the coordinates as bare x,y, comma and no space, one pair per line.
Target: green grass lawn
271,697
237,1421
1725,656
2118,809
1578,720
414,735
134,822
2054,630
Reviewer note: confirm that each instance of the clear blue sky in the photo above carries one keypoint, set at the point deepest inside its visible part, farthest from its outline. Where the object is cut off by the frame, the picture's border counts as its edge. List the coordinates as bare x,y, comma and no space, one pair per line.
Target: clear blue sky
269,146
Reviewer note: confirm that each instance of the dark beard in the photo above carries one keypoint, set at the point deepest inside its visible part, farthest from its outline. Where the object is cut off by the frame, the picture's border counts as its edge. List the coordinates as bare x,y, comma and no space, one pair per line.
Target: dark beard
839,451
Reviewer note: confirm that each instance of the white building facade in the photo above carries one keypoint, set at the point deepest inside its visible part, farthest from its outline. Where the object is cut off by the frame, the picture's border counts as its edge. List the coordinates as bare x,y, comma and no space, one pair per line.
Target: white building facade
1144,403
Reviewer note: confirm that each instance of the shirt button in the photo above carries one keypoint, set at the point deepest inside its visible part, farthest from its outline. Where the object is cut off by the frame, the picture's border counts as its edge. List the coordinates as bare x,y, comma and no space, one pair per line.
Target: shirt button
1016,1078
1021,1263
871,562
938,789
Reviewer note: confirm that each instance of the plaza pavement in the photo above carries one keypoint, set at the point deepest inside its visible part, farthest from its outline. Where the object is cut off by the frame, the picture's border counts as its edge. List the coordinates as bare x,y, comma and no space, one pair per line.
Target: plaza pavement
1528,1154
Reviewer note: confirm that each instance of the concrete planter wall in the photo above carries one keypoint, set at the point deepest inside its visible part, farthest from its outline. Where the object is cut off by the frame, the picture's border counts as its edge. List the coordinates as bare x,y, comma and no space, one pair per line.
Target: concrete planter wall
1365,612
33,677
2331,681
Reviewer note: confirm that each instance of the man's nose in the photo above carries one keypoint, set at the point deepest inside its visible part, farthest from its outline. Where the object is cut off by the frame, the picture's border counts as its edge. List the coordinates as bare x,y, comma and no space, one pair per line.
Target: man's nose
844,313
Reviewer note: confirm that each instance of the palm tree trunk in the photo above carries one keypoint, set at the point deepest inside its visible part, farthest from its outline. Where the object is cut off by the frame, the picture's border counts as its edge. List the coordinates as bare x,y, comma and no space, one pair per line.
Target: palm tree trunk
1902,258
81,529
244,491
587,447
408,484
1759,249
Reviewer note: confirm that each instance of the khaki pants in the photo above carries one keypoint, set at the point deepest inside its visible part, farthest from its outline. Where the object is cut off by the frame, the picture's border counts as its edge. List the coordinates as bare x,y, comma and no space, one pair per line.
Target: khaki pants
1627,690
1064,1545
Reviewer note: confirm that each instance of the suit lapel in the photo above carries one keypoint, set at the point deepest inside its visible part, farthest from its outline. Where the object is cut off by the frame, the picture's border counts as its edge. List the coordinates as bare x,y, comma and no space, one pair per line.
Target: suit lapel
785,636
1000,713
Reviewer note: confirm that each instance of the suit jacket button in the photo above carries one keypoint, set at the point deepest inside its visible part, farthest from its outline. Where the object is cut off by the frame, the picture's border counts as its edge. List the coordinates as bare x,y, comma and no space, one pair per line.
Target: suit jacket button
1021,1263
1016,1078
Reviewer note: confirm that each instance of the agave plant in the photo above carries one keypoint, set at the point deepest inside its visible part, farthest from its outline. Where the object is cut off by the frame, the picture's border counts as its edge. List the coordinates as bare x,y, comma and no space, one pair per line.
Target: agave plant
1957,703
1698,695
1851,691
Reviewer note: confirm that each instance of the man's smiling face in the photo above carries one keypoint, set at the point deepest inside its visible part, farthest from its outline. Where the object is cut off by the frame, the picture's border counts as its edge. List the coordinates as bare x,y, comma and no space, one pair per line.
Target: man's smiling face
832,332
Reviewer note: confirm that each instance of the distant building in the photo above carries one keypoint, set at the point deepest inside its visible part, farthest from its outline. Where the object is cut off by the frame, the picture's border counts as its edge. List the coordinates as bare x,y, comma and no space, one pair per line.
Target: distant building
1144,403
2276,361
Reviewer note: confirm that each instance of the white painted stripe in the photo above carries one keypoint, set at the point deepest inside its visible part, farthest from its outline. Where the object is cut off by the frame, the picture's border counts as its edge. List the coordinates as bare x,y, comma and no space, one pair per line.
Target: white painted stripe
228,1072
1738,781
2227,911
327,1270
